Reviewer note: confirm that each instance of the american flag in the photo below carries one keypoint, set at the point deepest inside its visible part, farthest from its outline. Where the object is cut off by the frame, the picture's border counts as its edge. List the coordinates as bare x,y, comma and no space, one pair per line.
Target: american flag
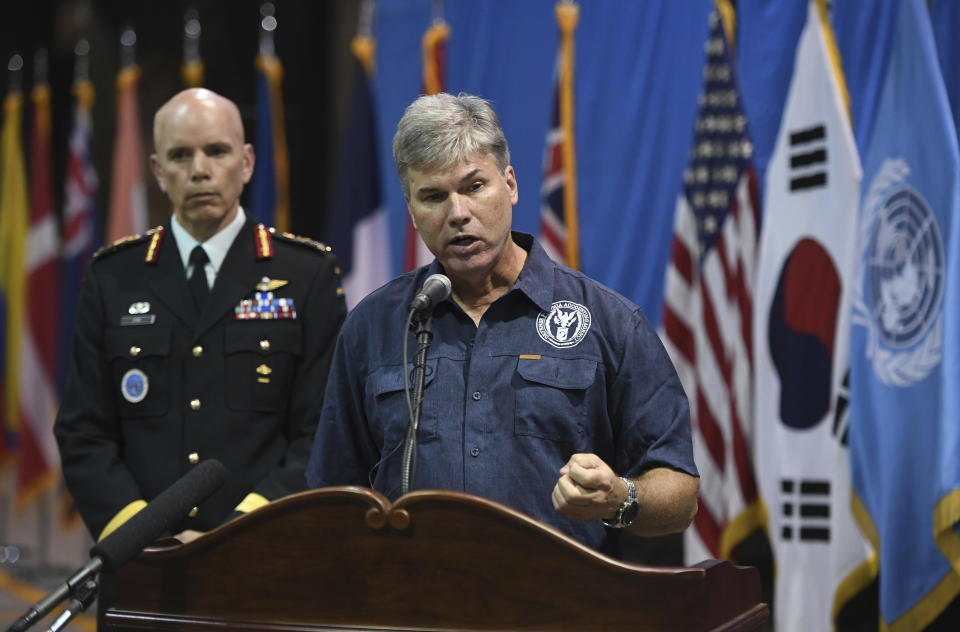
558,205
708,305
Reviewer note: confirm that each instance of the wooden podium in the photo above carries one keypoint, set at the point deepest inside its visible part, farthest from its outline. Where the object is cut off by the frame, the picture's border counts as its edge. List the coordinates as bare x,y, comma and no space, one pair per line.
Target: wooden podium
345,558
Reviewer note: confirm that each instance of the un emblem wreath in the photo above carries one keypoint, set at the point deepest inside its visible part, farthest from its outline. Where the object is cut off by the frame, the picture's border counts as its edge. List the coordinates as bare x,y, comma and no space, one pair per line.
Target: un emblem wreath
565,325
898,291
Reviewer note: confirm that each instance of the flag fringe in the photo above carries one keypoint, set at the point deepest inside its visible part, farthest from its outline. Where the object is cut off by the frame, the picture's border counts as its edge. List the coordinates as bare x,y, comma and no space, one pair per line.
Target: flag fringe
946,515
753,517
854,583
926,609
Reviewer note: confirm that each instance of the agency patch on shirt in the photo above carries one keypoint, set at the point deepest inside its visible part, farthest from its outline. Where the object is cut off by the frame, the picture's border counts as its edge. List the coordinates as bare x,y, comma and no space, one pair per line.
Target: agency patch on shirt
565,325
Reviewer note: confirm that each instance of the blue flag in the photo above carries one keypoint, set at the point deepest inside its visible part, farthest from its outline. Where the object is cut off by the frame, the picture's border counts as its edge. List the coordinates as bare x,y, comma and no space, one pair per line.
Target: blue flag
358,231
270,184
945,17
263,184
905,342
865,39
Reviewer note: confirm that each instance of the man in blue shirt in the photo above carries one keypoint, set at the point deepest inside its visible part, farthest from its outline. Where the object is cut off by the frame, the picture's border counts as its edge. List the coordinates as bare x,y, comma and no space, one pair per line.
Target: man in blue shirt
544,390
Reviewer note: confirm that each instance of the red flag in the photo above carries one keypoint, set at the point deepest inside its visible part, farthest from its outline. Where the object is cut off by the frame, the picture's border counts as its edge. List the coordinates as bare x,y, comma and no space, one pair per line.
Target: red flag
558,207
37,459
128,198
435,39
708,305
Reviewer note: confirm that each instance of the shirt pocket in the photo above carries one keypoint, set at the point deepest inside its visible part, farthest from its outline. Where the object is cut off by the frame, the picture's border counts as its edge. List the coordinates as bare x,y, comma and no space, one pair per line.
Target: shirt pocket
260,363
388,404
139,361
551,397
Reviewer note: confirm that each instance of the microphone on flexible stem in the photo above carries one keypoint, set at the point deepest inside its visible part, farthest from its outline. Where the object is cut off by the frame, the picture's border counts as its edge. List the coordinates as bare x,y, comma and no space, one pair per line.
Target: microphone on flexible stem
435,289
159,516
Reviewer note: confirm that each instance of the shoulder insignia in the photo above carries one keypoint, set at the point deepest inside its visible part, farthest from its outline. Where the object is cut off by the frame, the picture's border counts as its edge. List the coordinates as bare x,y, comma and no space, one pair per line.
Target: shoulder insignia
263,242
125,242
303,241
153,250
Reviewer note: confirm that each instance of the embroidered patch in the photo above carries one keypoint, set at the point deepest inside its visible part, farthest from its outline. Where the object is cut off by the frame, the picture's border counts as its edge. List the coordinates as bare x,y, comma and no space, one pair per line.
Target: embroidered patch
134,386
565,325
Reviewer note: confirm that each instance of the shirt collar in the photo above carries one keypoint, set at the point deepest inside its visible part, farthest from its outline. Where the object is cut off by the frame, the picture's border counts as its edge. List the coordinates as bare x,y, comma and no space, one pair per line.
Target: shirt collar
536,277
216,247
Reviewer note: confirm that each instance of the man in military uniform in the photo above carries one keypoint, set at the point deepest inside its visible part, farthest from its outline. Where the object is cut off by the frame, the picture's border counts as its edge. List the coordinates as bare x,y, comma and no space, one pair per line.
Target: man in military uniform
208,337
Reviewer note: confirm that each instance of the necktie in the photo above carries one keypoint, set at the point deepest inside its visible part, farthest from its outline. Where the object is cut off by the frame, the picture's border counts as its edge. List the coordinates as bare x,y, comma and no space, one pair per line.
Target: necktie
198,280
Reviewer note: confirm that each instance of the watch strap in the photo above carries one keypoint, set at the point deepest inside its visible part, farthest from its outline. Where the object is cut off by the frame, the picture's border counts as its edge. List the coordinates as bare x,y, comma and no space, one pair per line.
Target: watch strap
618,522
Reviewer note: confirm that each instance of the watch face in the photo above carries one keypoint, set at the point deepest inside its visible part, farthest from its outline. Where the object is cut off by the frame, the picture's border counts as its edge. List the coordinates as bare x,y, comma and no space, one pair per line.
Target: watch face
630,513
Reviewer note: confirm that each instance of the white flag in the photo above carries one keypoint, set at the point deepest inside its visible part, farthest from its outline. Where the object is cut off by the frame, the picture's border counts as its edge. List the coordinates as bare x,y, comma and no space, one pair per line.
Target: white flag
801,341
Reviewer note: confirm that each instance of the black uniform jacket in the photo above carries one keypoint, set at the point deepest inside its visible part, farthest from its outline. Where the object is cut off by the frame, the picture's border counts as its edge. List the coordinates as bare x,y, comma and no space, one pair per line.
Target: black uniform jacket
156,387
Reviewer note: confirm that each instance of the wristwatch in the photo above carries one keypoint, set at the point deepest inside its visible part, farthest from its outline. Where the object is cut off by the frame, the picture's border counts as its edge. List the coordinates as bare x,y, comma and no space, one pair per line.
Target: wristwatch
627,512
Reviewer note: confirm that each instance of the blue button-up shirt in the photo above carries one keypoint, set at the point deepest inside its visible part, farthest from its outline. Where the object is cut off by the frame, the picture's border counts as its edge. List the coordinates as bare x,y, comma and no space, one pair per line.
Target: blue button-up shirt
559,364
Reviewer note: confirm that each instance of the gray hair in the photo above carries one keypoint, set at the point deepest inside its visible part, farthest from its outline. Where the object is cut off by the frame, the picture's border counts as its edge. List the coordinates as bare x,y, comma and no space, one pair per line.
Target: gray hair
441,130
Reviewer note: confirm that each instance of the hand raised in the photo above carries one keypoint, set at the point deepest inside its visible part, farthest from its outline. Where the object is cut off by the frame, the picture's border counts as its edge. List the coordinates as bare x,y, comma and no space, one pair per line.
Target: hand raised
588,489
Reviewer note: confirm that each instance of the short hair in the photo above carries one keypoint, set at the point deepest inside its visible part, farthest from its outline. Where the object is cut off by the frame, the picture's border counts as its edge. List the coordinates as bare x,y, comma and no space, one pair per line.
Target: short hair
441,130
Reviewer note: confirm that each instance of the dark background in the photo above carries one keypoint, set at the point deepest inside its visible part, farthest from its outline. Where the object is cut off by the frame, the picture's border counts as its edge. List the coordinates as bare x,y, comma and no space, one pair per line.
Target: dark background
312,41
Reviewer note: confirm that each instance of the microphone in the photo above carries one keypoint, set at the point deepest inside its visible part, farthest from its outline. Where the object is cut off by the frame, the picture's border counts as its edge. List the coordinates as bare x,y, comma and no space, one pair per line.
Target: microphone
436,288
130,538
78,603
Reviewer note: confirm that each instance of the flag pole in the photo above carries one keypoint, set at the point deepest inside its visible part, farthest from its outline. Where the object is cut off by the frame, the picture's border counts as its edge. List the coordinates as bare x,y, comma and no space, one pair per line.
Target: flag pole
268,63
363,45
12,103
568,14
192,70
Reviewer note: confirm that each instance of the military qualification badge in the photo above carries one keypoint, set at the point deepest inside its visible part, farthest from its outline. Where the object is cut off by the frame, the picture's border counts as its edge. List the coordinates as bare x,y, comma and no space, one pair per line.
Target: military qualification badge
264,305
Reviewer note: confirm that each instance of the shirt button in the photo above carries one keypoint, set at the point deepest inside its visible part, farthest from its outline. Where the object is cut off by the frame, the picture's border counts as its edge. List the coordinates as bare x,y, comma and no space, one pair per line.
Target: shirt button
197,351
193,512
195,404
476,396
265,345
194,458
135,351
475,452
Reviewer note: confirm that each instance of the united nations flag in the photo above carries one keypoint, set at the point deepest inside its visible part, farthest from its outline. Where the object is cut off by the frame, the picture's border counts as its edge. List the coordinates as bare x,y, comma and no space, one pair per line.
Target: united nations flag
905,340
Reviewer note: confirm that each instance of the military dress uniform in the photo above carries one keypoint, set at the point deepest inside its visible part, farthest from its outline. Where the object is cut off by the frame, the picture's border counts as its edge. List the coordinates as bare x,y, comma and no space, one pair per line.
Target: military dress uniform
158,385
